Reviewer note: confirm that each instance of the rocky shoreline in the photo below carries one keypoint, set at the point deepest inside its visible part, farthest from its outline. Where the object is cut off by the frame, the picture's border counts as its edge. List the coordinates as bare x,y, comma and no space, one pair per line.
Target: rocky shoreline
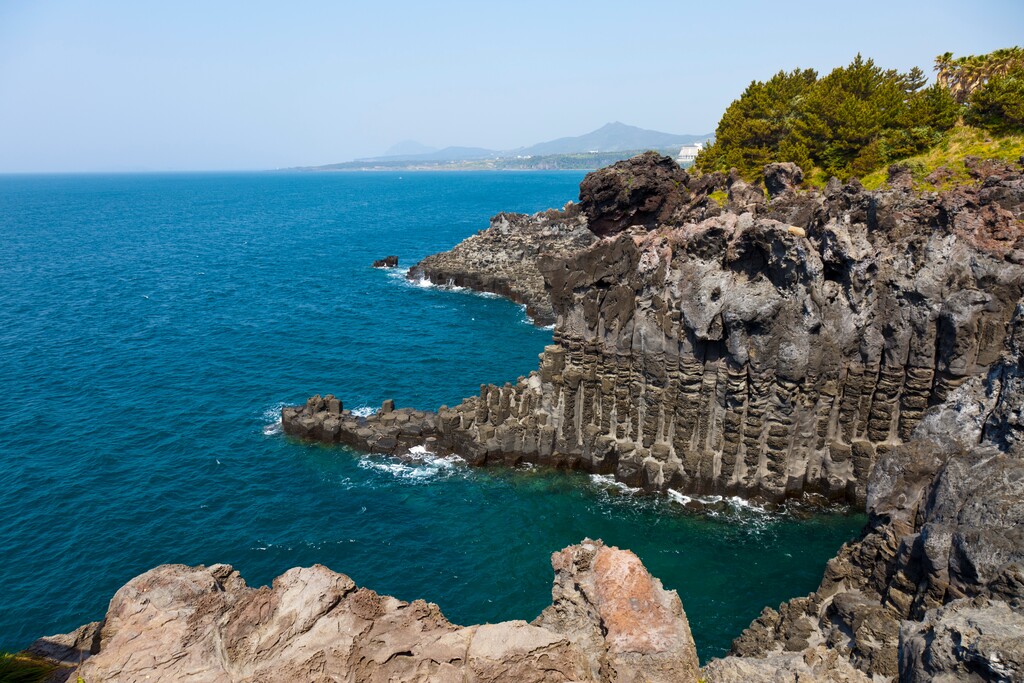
864,346
770,348
609,620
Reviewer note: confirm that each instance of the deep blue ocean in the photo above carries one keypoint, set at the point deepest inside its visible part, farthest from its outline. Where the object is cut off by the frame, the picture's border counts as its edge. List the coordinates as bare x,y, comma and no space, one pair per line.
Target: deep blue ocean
151,327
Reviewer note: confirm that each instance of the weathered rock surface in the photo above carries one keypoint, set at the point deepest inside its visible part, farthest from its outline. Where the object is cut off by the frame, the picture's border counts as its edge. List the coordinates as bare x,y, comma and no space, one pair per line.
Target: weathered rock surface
645,190
503,259
609,621
934,590
966,640
769,353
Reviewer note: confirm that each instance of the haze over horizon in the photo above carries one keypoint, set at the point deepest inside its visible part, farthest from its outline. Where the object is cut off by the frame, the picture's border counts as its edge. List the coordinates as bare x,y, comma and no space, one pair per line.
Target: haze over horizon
117,86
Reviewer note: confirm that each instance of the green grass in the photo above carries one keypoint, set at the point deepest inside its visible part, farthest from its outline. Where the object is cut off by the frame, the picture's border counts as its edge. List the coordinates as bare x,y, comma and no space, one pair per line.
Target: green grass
720,197
16,668
959,143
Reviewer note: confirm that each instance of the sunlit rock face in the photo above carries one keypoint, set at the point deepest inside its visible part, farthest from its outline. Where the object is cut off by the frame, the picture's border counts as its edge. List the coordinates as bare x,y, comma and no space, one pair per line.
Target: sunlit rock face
609,620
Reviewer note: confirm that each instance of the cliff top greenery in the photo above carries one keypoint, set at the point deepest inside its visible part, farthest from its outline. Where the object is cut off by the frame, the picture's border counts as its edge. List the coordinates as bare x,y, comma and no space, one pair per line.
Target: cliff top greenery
860,118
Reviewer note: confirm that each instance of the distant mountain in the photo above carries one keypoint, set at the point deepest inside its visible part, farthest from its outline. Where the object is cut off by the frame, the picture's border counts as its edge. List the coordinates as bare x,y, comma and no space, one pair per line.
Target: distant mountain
407,148
611,137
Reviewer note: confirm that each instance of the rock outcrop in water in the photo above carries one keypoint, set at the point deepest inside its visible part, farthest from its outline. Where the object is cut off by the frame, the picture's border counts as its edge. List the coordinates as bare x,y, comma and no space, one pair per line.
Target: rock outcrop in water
863,345
386,262
770,349
609,621
503,259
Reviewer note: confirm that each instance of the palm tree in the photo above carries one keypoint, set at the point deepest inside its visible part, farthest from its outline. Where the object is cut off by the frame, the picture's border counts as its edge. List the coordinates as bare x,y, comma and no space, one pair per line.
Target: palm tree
964,75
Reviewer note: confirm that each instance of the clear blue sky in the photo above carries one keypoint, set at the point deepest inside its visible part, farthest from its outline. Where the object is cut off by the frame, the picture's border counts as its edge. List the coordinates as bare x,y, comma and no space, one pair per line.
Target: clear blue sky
137,85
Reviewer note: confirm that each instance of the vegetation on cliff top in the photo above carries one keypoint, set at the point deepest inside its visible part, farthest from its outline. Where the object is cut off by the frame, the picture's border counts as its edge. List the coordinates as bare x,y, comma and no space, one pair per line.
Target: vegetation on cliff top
861,117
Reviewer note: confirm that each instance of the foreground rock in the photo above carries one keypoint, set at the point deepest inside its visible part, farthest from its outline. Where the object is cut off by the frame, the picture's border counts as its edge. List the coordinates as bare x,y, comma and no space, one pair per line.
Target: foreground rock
503,259
771,348
609,621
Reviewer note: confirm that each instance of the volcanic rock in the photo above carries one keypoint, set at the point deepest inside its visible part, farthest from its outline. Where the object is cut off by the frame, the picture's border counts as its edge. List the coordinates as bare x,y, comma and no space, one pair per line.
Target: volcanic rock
386,262
782,177
770,353
503,259
644,190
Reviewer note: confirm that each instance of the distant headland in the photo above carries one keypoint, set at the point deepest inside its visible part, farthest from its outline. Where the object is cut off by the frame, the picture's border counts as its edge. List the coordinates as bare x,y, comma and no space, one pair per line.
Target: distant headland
610,143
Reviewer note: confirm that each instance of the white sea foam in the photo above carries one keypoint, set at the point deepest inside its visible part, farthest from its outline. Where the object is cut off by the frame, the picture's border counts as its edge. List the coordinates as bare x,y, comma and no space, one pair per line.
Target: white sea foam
419,465
607,481
364,411
734,502
271,420
680,498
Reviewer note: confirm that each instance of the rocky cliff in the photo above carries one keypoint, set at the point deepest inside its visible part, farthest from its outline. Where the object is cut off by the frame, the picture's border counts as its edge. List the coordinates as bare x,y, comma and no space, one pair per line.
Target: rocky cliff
866,345
934,590
503,259
609,621
718,340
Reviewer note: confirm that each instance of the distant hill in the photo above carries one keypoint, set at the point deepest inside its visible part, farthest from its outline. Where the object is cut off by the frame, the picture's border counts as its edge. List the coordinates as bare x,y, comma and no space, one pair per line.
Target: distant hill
607,144
611,137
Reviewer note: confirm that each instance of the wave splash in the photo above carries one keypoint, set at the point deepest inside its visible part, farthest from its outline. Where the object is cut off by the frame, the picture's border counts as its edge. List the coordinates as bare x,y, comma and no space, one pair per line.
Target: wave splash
418,466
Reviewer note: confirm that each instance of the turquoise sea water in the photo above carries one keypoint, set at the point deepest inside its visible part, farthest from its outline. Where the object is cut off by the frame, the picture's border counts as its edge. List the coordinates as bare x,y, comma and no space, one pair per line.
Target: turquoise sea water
151,327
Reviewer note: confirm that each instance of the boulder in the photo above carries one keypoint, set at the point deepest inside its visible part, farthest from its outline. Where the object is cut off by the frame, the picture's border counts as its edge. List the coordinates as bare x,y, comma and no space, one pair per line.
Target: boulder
643,190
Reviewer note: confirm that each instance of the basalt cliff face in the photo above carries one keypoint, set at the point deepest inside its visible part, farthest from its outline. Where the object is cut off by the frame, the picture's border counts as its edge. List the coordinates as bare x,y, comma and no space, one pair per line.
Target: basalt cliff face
609,621
771,347
934,589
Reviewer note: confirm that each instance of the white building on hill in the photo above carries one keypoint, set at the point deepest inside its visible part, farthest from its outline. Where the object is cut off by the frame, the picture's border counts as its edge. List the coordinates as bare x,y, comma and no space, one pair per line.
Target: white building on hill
688,153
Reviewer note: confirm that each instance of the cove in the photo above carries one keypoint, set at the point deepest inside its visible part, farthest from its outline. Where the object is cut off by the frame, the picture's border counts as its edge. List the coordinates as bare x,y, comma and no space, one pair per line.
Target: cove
151,326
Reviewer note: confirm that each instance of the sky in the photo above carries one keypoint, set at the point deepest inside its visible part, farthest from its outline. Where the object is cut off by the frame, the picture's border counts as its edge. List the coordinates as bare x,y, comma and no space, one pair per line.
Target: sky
137,85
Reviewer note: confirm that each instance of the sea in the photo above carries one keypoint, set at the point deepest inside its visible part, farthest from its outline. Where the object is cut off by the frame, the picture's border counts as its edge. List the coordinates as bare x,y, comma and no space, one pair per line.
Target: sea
153,325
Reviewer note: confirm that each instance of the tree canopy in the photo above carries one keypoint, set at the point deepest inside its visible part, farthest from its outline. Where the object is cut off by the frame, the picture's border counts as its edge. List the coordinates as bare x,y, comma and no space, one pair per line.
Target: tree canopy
855,119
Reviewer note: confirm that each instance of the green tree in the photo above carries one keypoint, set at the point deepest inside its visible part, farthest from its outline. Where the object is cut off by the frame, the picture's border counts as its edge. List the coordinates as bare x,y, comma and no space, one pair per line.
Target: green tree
755,126
843,117
998,105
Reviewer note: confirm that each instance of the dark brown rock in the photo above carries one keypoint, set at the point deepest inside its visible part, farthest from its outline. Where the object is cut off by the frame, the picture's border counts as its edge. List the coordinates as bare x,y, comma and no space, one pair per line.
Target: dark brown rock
503,259
644,191
386,262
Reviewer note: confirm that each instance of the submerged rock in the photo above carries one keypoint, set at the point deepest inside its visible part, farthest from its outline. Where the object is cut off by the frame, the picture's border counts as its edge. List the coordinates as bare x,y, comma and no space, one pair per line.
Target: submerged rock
609,621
